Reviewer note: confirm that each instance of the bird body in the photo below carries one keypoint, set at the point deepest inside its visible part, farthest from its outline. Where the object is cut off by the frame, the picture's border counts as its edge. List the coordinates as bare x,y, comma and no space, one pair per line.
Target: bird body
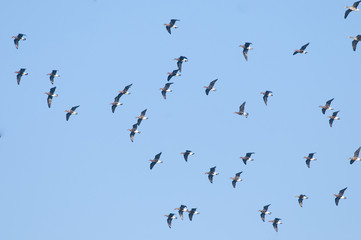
275,222
241,110
186,154
327,106
170,217
333,117
173,74
340,196
166,89
210,87
300,199
180,61
71,112
236,179
247,158
155,160
171,25
212,172
141,117
116,102
302,50
133,131
52,75
181,209
310,158
125,90
264,211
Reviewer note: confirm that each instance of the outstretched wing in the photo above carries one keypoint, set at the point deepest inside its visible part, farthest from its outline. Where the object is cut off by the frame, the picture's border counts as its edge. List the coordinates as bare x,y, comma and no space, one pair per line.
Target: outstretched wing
67,116
354,44
265,98
234,183
245,53
210,177
74,108
308,163
168,29
49,100
355,4
152,164
241,108
346,14
304,46
157,156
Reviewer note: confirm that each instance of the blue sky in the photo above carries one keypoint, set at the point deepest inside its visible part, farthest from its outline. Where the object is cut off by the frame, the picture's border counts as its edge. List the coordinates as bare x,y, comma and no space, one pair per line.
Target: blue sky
85,179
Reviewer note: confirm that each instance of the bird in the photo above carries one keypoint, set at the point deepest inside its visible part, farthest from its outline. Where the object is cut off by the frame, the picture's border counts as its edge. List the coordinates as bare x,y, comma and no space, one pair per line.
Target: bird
300,199
116,102
133,131
340,196
141,117
166,89
186,154
266,94
275,222
302,49
211,173
170,25
125,90
170,217
355,156
52,75
173,74
333,117
241,110
20,73
51,94
71,112
246,47
210,87
236,179
155,160
192,212
180,61
327,106
19,37
247,158
355,41
310,158
264,211
352,8
181,209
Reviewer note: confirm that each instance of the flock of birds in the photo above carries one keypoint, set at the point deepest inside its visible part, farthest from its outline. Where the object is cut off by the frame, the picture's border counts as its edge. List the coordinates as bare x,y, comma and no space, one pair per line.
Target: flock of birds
166,89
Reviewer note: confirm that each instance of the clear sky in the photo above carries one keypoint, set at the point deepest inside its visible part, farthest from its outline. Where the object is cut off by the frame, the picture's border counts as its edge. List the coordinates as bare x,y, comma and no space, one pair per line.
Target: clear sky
85,179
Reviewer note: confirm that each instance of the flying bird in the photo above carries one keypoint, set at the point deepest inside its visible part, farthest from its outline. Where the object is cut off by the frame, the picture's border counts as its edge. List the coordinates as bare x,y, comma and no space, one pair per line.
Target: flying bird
352,8
166,89
247,158
266,94
355,41
340,196
302,49
170,217
170,25
300,199
310,158
116,102
186,154
180,61
355,156
20,73
141,117
333,117
210,87
236,179
52,75
71,112
241,110
19,37
125,90
51,94
246,47
181,209
212,172
327,106
275,222
155,160
264,211
192,212
173,74
133,131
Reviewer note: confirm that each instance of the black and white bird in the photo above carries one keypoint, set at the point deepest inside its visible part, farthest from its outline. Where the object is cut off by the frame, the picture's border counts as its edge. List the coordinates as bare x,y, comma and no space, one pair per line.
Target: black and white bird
212,172
142,117
181,210
155,160
133,131
301,50
266,94
246,47
310,158
192,212
166,89
171,25
236,179
355,41
116,102
352,8
241,110
186,154
52,75
180,61
300,199
247,158
355,156
333,117
51,94
20,73
275,222
125,90
173,74
170,217
340,196
210,87
264,211
71,112
327,106
19,37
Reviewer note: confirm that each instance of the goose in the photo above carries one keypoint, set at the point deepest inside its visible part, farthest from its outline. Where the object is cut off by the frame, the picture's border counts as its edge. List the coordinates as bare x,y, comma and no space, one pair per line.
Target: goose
302,49
171,24
155,160
116,102
133,131
246,47
125,90
210,87
170,217
186,154
333,117
173,74
300,199
212,172
310,158
355,156
166,89
340,196
181,209
51,94
180,61
52,75
247,158
275,222
264,211
241,110
19,37
355,41
327,106
20,73
192,212
236,179
352,8
141,117
266,94
71,112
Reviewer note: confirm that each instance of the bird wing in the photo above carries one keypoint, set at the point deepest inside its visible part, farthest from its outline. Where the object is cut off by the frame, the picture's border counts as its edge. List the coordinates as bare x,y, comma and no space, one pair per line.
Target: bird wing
16,42
179,64
164,93
334,114
211,84
354,44
139,121
127,87
169,221
116,99
323,110
246,45
135,126
311,155
186,156
169,77
167,85
241,108
152,165
210,177
132,136
191,215
295,52
238,174
157,156
213,169
234,183
181,214
347,13
308,163
168,29
18,78
331,121
328,103
244,161
245,53
52,90
275,226
249,154
172,21
49,100
355,4
74,108
300,201
265,208
342,192
304,46
143,113
53,72
207,91
114,107
262,216
265,97
67,116
357,152
337,199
